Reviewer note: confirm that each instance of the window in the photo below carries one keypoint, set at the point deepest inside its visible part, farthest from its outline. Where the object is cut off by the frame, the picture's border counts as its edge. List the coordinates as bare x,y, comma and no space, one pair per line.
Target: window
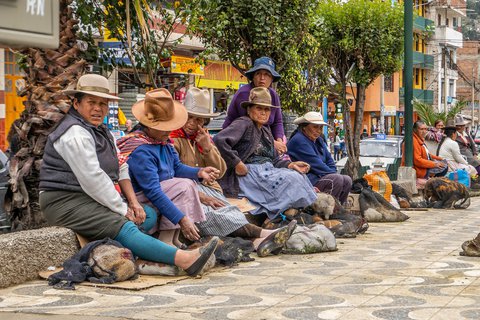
447,22
388,83
439,23
454,22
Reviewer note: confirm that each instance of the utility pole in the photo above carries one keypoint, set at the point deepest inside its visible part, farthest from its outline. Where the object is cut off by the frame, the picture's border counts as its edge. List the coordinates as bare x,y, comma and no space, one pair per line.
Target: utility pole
408,80
445,84
382,104
473,96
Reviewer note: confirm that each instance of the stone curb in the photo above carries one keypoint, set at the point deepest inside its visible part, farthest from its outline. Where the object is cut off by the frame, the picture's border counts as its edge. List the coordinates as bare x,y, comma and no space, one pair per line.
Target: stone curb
23,254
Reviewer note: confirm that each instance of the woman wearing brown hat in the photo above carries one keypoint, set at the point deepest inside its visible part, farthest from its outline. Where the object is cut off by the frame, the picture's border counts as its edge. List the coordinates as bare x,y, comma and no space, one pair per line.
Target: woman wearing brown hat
254,168
196,148
77,177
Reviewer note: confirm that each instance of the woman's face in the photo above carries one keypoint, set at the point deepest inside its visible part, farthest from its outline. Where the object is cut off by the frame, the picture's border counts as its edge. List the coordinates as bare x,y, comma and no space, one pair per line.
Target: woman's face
440,126
158,135
193,124
259,114
92,108
461,128
313,131
262,78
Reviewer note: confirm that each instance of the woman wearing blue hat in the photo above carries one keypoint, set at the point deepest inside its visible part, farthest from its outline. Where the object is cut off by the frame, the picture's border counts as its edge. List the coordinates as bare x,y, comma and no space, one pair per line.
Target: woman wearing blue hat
262,74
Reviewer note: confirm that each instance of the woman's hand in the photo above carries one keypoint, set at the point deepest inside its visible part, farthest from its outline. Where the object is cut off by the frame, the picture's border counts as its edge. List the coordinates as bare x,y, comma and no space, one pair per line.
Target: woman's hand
241,169
299,166
208,174
135,213
203,139
189,229
210,201
280,146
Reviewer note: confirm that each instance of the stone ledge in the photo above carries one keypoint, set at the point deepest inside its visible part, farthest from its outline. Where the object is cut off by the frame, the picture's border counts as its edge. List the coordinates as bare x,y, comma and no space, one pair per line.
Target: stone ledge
23,254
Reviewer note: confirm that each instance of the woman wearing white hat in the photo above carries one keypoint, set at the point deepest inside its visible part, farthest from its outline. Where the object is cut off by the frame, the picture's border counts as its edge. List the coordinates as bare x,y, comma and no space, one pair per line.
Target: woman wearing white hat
77,177
306,144
196,148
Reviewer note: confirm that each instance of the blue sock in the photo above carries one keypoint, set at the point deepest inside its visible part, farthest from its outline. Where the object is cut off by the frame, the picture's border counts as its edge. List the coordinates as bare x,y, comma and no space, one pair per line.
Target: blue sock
144,246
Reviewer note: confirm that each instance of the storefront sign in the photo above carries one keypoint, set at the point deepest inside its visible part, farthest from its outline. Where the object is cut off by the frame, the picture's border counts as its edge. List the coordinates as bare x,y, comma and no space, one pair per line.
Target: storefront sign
185,65
119,52
400,114
390,111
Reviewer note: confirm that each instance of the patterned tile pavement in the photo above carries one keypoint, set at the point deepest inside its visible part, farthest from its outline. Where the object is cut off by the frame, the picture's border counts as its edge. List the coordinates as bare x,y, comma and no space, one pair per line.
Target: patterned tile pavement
409,270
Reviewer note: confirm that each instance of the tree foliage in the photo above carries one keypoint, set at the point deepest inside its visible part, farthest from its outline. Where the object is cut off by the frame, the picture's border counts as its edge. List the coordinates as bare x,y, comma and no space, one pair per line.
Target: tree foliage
471,23
429,115
361,39
148,30
242,31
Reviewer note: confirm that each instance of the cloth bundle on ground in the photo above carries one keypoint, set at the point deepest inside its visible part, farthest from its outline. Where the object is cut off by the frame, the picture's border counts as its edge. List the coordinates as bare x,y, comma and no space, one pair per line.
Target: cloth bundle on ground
312,238
380,183
446,194
101,261
471,248
373,206
230,251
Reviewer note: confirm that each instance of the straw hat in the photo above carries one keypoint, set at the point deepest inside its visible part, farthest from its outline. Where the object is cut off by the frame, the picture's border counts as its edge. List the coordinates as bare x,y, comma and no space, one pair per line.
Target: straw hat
311,117
159,111
93,84
259,96
197,102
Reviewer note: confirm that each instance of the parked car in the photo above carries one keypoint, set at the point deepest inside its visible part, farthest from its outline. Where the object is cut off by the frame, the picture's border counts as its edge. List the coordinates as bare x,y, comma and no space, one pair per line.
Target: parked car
4,177
381,151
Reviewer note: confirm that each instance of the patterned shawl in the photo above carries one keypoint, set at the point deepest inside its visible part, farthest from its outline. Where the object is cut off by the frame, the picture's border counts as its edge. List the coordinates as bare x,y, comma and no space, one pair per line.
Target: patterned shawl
132,141
180,133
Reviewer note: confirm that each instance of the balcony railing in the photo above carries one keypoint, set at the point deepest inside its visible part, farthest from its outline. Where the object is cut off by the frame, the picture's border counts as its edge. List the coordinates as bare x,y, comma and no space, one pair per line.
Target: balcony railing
422,60
448,36
421,23
425,96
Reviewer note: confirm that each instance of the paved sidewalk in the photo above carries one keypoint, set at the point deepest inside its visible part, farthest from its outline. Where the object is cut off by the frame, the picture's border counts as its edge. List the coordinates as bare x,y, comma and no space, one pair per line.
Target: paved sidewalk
409,270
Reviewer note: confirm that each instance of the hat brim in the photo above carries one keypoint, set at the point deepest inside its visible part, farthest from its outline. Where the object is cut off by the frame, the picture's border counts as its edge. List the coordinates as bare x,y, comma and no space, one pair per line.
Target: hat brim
276,76
245,104
71,92
204,115
303,120
180,117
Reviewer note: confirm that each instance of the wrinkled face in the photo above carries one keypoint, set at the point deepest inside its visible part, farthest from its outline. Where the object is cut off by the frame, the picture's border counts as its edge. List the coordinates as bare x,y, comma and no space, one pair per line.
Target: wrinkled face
461,128
93,109
259,114
262,78
313,131
158,135
193,124
422,130
128,123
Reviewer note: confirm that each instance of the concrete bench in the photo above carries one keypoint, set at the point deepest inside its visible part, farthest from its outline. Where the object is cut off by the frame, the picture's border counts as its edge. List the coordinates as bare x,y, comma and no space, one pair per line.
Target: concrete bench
23,254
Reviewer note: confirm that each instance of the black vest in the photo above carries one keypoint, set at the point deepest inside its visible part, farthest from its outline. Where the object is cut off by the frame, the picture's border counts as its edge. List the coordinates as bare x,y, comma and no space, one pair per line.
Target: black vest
56,174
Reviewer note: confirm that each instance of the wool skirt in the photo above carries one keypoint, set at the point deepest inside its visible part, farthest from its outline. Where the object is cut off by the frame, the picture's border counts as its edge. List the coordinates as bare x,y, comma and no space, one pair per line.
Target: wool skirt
220,222
274,190
184,195
79,212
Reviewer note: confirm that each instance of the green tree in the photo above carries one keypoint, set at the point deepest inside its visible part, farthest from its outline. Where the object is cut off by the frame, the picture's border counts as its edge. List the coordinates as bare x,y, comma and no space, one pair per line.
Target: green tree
471,23
148,30
361,39
429,115
242,31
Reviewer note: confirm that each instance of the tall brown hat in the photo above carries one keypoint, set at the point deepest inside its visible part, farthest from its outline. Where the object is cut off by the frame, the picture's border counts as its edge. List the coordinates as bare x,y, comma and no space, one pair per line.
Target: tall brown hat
159,111
259,96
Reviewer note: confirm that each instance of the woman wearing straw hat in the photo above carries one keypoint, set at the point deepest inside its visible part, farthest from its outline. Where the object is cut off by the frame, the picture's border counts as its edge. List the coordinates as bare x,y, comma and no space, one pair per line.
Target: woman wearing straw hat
196,148
77,177
307,145
254,168
262,74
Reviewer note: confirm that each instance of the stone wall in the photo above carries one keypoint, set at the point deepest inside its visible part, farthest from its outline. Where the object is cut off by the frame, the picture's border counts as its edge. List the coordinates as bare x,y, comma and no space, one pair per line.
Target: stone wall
23,254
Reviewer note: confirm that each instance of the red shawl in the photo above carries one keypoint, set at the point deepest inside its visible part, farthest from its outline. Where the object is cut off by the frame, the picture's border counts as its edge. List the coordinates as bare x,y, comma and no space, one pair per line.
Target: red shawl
132,141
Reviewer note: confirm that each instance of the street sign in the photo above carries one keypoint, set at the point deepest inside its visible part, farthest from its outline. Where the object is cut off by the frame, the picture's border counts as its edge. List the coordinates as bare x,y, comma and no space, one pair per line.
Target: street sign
29,23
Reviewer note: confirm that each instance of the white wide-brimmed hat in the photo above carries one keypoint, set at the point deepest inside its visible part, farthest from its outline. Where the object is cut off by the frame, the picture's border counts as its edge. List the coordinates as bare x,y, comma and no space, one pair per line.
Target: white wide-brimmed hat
93,84
198,103
159,111
312,117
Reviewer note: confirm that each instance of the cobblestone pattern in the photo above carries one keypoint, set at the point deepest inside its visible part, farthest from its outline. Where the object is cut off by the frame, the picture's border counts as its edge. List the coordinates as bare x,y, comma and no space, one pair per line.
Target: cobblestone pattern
409,270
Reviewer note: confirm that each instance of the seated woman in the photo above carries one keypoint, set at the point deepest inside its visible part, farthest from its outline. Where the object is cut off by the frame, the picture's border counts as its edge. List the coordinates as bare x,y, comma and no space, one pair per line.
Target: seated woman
449,149
158,177
77,177
306,144
254,169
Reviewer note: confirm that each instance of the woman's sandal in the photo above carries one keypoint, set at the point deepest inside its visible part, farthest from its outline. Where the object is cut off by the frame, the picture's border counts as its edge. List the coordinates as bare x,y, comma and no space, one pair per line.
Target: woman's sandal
205,253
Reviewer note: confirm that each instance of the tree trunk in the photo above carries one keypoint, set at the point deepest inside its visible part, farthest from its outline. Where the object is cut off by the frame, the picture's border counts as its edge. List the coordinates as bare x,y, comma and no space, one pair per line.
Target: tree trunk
47,73
352,137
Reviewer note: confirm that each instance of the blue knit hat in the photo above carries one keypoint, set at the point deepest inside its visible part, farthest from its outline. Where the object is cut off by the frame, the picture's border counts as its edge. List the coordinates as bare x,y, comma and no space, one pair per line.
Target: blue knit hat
264,63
